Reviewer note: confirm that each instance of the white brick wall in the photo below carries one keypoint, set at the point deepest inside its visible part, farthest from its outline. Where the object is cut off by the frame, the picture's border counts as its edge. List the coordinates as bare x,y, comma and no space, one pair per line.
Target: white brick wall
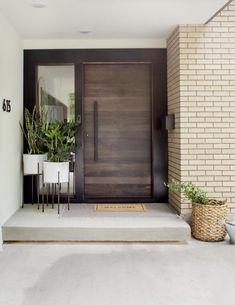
174,144
201,94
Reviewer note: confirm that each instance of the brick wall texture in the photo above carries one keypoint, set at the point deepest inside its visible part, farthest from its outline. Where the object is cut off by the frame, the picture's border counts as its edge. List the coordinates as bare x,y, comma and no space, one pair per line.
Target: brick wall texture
201,94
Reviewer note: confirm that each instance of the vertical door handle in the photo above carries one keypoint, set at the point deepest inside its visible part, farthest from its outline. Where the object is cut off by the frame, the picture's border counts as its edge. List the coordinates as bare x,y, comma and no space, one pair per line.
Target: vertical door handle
96,131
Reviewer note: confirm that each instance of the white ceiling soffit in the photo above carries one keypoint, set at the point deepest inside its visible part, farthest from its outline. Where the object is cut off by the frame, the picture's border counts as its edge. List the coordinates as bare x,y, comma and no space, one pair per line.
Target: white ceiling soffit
105,19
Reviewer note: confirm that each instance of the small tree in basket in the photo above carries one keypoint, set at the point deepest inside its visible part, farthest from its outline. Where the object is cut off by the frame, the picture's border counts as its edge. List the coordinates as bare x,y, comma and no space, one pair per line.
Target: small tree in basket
206,212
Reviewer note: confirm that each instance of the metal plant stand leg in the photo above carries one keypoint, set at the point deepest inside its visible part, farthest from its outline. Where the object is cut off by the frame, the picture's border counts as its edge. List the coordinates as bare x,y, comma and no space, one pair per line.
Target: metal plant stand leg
48,192
38,186
53,195
68,198
43,186
23,195
73,183
32,189
58,193
43,191
23,189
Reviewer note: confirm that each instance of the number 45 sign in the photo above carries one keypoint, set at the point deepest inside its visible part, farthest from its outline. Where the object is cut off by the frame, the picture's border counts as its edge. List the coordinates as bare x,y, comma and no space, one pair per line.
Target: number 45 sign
6,105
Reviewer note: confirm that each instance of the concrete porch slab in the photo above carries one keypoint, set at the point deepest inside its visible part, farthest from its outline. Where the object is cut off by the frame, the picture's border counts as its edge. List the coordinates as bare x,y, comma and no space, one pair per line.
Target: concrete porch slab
83,223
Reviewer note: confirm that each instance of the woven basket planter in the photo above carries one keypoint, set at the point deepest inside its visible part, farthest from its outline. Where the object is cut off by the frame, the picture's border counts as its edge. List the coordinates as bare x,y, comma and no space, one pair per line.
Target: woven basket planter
205,221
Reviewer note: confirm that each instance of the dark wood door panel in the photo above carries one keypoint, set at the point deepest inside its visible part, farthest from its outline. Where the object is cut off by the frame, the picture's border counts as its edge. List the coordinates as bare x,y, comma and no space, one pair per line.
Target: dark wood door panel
122,93
123,103
120,80
118,123
111,191
107,169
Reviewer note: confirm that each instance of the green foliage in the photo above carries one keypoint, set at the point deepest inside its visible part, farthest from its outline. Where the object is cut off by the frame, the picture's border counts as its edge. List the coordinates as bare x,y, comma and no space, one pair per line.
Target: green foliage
60,140
34,131
192,192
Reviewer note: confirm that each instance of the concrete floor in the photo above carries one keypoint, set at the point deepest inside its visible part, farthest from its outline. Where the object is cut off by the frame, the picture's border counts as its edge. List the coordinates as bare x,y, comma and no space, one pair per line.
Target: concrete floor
195,273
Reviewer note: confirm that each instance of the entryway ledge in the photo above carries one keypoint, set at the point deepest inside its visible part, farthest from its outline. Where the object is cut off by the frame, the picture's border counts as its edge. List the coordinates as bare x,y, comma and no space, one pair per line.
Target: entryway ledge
159,223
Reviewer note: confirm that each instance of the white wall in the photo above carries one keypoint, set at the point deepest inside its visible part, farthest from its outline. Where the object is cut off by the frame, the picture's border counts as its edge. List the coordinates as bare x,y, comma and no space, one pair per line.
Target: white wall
11,87
93,43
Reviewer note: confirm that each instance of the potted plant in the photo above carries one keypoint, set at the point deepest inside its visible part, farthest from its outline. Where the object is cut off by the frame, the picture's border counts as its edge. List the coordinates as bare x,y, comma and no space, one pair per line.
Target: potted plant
60,143
206,212
33,133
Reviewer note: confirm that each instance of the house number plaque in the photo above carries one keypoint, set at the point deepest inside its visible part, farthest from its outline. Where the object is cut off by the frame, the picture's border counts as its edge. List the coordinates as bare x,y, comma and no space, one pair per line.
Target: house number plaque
6,105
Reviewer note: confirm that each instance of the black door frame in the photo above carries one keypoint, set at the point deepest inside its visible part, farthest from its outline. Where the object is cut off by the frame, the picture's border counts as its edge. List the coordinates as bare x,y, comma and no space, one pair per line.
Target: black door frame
157,57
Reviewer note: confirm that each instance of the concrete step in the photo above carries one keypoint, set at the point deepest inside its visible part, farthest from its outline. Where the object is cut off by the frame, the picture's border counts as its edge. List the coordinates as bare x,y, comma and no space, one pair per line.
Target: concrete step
83,223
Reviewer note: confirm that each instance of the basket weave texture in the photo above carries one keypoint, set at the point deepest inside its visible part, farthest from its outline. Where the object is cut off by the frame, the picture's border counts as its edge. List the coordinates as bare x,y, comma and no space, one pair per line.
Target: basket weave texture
205,221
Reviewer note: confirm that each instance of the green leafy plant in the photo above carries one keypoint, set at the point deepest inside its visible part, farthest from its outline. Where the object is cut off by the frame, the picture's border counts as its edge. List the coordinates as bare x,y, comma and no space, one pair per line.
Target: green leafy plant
60,140
192,192
33,131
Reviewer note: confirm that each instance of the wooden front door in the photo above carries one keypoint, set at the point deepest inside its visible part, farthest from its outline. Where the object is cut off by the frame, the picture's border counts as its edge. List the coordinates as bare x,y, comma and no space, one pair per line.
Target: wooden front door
117,133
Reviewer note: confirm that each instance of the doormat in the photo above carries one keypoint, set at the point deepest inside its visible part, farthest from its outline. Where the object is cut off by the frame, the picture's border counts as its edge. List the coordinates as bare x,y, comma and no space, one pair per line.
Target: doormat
136,207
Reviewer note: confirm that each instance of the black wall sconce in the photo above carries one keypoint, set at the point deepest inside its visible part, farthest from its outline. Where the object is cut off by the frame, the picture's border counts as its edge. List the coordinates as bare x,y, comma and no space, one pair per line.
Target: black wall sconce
169,122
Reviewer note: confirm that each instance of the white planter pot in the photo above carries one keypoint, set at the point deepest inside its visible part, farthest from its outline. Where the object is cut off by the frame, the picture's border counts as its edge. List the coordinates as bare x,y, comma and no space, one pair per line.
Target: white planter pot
55,172
31,163
230,227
